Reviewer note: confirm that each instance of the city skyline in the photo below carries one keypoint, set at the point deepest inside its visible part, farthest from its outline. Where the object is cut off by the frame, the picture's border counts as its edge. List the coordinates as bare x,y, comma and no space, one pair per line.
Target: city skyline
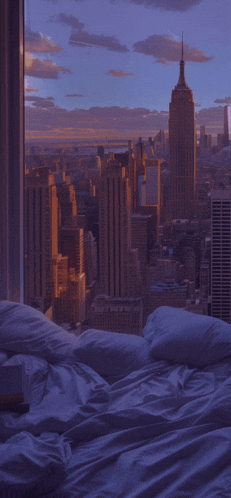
108,70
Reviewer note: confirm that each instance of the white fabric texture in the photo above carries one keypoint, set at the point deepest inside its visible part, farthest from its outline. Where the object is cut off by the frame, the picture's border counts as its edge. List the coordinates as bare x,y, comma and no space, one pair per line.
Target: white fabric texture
113,355
157,428
27,461
26,330
179,336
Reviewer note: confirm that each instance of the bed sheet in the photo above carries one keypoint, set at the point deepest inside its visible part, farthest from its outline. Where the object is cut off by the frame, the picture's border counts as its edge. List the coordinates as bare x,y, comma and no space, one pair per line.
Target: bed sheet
166,433
162,430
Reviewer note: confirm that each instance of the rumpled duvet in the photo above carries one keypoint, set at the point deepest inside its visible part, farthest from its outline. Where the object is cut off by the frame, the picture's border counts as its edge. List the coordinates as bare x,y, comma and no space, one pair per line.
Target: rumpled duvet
115,415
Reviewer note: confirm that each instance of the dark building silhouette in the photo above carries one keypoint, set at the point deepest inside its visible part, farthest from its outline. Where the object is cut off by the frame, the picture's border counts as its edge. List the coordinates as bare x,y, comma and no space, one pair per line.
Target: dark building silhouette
100,151
182,143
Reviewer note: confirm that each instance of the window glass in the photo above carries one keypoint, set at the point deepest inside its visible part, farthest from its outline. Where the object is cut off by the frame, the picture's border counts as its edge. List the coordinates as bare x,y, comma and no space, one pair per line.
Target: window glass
99,78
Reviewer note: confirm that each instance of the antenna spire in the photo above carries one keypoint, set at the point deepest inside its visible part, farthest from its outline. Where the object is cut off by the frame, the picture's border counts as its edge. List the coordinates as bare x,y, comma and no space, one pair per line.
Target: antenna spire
182,76
182,47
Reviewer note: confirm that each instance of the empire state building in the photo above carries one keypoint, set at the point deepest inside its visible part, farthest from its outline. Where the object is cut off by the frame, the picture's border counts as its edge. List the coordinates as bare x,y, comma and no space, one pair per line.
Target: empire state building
182,144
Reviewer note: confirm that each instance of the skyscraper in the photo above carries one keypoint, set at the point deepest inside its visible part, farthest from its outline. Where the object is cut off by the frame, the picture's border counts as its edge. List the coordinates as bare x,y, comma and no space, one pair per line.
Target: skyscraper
71,245
182,143
227,124
119,264
115,229
221,254
41,234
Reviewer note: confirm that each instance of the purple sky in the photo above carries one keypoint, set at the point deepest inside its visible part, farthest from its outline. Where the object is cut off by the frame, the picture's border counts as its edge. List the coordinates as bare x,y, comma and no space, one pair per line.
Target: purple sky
107,67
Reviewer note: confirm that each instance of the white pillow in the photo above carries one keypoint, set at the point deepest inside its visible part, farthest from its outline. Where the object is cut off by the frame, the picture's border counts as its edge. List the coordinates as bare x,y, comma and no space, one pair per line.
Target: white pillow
182,337
26,330
113,355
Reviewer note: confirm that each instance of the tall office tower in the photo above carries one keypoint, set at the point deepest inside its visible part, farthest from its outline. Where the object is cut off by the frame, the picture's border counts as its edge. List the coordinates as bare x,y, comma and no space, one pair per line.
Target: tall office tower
142,239
41,234
142,236
69,301
203,138
69,305
71,244
221,254
132,174
153,182
60,272
140,154
90,257
182,143
67,205
114,230
227,124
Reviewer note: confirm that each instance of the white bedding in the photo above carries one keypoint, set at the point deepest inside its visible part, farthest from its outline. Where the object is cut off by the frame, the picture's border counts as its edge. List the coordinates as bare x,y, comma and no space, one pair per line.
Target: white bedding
139,426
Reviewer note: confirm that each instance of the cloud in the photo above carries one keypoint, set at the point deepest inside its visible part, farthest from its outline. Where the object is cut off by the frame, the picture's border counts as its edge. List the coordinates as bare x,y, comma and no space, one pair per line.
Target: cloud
46,69
44,103
49,121
226,100
74,95
165,48
197,105
174,5
82,38
39,43
119,73
68,20
44,115
31,90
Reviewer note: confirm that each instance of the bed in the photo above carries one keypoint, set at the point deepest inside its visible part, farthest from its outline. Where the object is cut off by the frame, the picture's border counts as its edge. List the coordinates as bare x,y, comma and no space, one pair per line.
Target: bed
118,416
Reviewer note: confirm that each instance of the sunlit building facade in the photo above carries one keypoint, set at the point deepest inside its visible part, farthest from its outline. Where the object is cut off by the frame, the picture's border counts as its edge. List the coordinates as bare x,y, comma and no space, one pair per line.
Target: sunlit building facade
41,235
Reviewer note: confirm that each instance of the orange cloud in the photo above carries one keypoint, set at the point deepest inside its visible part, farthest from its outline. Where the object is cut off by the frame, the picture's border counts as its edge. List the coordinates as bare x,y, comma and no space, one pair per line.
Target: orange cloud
31,90
46,69
39,43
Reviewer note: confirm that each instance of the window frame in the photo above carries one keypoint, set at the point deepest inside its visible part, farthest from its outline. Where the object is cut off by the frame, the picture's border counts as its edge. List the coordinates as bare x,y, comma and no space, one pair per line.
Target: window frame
12,150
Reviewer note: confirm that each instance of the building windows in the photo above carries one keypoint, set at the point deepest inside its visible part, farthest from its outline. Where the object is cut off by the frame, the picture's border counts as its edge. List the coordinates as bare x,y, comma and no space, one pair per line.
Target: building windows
221,255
